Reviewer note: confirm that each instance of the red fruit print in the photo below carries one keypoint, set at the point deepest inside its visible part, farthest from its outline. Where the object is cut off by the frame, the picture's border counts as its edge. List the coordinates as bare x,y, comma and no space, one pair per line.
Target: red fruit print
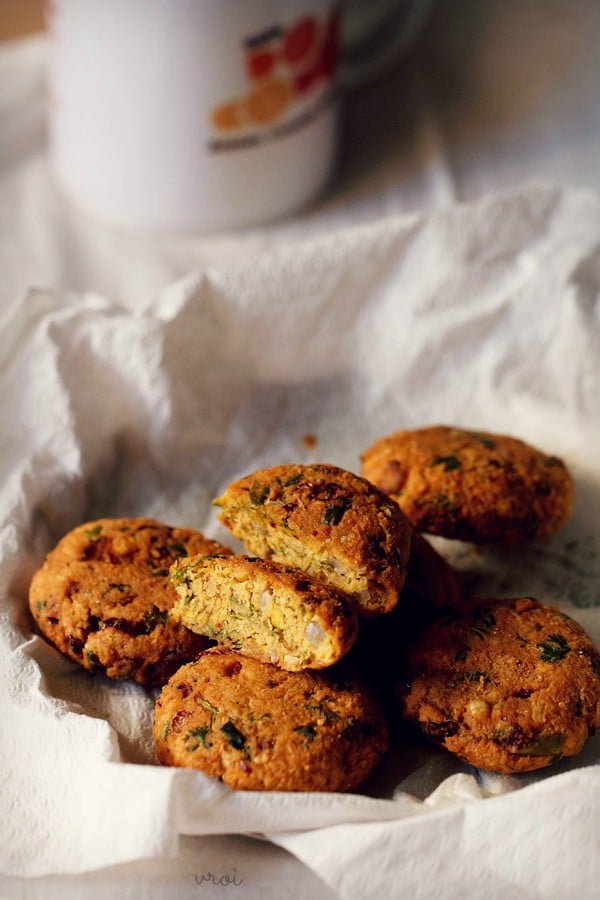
299,42
260,63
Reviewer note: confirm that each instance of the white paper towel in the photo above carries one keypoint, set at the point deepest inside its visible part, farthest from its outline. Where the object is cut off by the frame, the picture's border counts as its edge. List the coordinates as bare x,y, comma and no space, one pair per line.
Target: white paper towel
485,316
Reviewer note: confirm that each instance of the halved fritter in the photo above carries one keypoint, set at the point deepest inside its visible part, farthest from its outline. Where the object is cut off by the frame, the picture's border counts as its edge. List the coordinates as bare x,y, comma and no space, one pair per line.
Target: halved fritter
263,609
328,522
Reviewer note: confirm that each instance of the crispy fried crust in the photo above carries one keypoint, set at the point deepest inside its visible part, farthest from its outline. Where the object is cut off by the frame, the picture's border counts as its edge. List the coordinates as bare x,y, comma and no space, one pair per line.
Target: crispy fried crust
507,685
257,727
473,486
264,609
103,595
328,522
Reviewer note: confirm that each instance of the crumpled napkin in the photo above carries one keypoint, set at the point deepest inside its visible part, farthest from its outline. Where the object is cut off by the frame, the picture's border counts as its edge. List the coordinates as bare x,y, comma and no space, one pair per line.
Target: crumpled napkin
485,316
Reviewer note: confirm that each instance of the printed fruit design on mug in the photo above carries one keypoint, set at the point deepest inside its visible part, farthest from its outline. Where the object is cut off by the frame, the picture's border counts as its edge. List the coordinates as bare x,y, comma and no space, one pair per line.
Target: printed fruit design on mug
284,66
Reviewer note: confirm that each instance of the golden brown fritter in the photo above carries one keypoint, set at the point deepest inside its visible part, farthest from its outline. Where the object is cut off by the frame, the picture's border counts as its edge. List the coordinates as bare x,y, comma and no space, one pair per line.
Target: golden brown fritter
328,522
507,685
258,727
264,609
473,486
103,595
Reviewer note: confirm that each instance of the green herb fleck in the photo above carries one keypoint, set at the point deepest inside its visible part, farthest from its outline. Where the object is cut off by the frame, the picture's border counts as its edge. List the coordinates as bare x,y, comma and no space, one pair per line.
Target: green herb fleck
448,462
207,706
198,735
92,660
476,675
294,479
177,548
258,494
544,745
178,574
120,587
487,442
330,715
41,604
554,649
94,533
155,617
333,514
234,736
164,732
308,731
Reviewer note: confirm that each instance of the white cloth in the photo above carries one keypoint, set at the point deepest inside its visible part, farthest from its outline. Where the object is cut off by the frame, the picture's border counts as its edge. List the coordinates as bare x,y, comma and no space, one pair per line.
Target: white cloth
484,316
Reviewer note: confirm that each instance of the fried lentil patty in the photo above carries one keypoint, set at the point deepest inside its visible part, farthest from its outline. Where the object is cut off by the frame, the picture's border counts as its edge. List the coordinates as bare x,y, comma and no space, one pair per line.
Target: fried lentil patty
472,486
103,595
258,727
506,685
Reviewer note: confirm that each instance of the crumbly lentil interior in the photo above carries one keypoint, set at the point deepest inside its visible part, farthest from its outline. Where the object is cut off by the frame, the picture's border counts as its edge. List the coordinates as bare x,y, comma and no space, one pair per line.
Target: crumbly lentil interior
327,522
265,610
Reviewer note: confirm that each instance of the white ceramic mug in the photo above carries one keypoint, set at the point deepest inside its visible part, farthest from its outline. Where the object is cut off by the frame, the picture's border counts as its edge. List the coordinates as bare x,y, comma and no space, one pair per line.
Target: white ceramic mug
193,114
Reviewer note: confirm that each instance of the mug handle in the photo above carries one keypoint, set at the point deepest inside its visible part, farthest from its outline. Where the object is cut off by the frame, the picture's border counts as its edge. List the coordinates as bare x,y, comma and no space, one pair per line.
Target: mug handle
374,34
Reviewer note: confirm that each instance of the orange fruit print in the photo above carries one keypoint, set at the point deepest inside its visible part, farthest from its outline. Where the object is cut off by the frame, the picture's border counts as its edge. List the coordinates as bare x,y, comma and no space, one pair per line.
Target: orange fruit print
281,65
227,117
268,101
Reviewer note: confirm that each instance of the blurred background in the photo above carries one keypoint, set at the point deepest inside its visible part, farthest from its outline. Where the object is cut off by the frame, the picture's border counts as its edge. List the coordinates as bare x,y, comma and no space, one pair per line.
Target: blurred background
513,80
20,17
491,95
